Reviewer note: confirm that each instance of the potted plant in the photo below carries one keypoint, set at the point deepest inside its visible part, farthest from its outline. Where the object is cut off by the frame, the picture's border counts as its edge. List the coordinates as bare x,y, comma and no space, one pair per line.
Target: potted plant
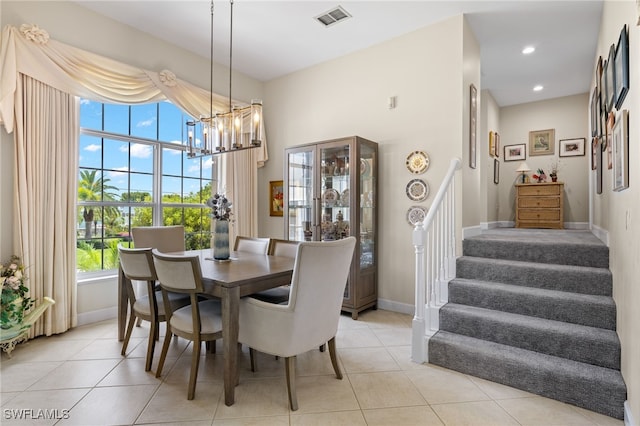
554,172
14,300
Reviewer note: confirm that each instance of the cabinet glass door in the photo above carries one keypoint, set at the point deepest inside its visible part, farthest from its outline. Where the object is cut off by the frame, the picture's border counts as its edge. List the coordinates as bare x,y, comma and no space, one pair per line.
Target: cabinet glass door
334,191
368,197
300,209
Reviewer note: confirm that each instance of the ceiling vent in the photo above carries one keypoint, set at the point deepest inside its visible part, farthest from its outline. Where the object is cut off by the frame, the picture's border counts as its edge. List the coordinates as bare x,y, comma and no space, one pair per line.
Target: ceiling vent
333,16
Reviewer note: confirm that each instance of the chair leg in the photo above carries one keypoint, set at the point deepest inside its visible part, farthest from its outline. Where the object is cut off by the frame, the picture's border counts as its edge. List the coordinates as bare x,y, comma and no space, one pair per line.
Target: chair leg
252,357
165,349
195,361
139,323
290,368
321,347
127,336
334,358
151,346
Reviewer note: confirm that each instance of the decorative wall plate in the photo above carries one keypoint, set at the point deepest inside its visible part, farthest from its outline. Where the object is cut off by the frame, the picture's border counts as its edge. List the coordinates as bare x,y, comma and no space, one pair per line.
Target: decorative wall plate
364,167
344,198
418,162
417,190
416,214
330,197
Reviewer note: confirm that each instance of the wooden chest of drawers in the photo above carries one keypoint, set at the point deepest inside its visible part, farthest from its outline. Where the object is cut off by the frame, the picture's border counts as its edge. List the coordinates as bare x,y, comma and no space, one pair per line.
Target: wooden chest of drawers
540,205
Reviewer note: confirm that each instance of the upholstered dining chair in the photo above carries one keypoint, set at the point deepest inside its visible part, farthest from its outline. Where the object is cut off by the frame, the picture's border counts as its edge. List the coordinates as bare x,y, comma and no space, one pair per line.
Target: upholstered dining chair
200,321
137,264
251,245
278,247
166,239
311,317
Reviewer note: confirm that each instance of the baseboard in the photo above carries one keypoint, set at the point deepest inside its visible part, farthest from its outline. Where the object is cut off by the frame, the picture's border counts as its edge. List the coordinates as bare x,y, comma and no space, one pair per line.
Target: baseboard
576,225
602,234
390,305
628,419
97,316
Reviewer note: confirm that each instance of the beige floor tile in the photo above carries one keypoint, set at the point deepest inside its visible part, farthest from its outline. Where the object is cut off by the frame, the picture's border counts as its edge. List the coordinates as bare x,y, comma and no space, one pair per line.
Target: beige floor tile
118,405
257,398
98,330
439,386
131,372
19,376
599,419
176,348
46,349
170,404
357,338
254,421
58,402
338,418
266,366
361,360
210,369
106,348
396,336
384,319
402,416
324,393
479,413
384,390
538,410
346,323
194,423
5,397
402,355
315,363
76,374
498,391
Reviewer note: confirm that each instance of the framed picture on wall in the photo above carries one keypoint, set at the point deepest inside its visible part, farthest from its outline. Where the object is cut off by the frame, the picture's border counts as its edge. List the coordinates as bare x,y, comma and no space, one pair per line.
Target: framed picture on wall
595,112
492,144
572,147
473,120
496,171
276,198
542,142
621,60
497,146
620,148
515,152
610,79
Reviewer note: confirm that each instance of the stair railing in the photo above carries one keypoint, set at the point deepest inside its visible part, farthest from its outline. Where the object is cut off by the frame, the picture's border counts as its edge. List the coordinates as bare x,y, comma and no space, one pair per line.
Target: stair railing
434,240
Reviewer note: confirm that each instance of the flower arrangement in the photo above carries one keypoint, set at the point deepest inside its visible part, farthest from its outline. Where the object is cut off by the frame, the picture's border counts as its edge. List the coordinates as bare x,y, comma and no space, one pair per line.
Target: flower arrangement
14,301
220,207
540,176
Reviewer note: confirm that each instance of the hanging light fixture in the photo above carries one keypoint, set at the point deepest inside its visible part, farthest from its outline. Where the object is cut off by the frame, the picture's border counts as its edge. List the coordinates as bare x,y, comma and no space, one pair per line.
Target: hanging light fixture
225,132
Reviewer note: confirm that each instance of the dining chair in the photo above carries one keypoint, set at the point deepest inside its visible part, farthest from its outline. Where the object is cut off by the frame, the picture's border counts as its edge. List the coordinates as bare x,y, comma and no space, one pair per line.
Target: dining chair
311,317
200,321
278,247
137,264
166,239
251,244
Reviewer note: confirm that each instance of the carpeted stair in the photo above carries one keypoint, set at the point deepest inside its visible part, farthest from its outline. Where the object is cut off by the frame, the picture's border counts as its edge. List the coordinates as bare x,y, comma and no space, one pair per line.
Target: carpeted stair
532,309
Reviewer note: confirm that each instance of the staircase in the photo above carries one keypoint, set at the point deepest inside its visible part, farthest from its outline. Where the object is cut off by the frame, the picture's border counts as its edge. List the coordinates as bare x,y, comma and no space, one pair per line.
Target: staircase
532,309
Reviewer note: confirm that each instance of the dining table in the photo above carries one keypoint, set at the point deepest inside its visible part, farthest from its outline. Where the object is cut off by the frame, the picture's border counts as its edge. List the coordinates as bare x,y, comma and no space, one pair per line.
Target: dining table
241,275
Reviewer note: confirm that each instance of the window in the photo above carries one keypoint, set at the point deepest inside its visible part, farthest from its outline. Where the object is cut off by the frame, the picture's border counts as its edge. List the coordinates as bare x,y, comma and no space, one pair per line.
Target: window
133,171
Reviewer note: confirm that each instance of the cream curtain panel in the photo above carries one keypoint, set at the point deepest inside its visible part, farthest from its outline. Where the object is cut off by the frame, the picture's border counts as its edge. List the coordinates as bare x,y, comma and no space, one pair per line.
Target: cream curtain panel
29,51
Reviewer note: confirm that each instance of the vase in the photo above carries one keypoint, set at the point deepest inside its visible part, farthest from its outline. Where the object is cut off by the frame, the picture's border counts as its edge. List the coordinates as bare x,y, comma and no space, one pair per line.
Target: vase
221,240
554,179
12,311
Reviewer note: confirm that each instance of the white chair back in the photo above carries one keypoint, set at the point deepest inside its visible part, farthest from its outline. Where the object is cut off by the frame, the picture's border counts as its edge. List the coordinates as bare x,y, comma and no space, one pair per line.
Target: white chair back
137,264
180,274
285,248
251,245
166,239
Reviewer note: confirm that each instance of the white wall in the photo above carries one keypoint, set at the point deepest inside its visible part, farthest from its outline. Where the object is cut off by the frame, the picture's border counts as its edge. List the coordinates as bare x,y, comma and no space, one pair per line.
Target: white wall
348,96
569,116
619,212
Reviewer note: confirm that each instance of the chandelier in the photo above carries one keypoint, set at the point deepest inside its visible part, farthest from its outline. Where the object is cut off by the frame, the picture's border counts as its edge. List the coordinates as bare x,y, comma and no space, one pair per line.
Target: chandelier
237,129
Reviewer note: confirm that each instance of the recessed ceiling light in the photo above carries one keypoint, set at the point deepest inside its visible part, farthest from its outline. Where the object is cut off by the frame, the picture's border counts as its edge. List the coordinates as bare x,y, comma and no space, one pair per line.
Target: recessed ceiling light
528,50
538,88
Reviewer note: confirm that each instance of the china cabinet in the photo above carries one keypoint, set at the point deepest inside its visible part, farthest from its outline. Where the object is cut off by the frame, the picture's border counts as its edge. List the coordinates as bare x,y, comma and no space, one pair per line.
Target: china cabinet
331,191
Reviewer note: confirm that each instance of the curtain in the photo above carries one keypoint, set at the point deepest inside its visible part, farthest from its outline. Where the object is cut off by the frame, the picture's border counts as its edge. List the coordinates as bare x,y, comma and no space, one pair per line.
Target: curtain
39,80
46,176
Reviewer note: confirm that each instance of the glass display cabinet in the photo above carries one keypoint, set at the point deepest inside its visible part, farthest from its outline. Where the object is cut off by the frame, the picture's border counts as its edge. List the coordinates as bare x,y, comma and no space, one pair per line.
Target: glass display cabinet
330,193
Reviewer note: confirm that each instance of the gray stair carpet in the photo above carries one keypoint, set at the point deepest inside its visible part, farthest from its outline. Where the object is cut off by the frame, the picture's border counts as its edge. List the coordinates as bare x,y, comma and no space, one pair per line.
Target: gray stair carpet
532,309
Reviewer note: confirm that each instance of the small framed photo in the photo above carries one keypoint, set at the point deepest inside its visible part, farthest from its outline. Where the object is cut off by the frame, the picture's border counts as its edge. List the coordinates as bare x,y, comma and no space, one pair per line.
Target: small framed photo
572,147
621,80
595,144
515,152
595,113
492,143
497,146
496,171
276,198
542,142
620,148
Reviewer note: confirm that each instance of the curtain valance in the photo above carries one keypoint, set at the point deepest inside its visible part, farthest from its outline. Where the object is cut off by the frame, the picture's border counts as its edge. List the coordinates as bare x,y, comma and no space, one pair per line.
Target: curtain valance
30,51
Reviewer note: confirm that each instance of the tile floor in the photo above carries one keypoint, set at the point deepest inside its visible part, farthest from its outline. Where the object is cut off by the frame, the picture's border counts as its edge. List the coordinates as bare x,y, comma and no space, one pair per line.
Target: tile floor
81,379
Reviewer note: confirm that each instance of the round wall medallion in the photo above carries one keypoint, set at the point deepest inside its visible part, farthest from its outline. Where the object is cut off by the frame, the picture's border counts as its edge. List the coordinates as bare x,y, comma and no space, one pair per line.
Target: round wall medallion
417,190
416,214
418,162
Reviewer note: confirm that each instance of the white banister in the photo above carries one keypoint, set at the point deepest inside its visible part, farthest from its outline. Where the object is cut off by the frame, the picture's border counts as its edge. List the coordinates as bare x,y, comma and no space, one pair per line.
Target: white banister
434,240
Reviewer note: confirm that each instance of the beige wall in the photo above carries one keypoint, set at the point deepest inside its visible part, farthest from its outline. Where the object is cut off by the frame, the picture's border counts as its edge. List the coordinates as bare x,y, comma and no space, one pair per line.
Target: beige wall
619,212
489,190
570,118
348,96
